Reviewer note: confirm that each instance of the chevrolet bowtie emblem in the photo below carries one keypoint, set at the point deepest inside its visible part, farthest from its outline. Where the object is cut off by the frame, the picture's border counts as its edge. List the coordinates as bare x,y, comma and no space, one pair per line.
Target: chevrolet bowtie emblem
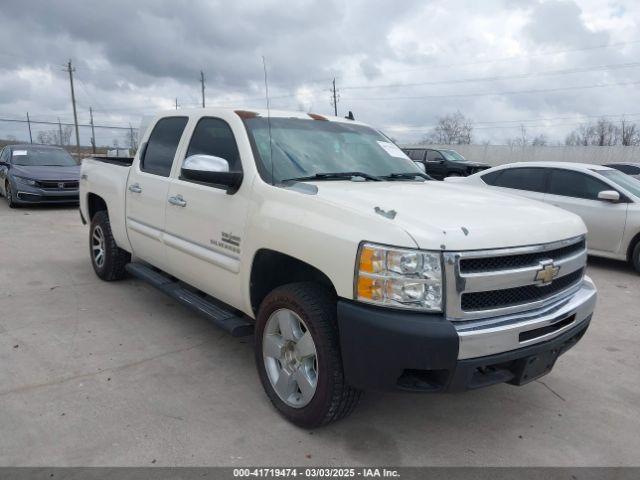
548,271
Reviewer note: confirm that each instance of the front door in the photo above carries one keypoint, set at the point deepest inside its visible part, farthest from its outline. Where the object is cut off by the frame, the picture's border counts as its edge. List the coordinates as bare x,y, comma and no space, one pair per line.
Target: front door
204,224
147,187
577,192
435,164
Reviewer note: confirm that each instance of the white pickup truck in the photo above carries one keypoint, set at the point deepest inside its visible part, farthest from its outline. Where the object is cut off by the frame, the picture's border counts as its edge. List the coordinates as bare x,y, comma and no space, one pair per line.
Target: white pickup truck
353,270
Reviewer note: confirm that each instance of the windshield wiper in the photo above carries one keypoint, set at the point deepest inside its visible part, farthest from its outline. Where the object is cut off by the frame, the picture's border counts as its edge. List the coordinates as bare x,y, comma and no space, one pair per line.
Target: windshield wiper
406,176
334,176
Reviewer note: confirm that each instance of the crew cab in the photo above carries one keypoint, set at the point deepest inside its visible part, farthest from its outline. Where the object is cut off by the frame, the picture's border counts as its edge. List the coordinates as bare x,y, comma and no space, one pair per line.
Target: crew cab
351,268
443,163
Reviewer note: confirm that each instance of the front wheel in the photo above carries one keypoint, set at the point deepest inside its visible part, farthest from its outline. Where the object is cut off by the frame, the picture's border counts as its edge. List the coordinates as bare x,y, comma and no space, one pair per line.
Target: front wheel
108,260
298,355
8,193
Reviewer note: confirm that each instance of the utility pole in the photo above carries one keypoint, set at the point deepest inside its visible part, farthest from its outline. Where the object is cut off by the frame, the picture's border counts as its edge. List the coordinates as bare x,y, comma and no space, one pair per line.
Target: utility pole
29,123
93,132
335,99
73,102
176,103
60,132
132,140
202,84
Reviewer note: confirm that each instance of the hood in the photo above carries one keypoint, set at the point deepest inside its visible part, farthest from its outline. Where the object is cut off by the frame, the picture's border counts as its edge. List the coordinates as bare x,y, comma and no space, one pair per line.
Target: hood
71,172
445,216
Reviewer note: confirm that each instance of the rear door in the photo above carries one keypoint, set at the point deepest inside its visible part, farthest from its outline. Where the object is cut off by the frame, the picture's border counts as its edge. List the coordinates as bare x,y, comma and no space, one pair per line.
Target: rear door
577,192
147,188
528,182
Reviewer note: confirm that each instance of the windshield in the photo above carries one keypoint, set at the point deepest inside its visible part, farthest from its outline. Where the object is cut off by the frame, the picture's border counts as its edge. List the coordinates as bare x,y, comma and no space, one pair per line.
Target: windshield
453,155
625,181
305,148
39,157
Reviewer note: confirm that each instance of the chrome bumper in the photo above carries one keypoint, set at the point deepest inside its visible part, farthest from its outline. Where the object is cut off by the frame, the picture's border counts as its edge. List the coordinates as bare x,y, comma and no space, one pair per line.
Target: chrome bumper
479,338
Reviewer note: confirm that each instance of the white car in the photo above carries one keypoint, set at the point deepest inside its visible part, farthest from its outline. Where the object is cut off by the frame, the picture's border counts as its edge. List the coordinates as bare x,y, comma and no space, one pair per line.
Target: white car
607,200
353,270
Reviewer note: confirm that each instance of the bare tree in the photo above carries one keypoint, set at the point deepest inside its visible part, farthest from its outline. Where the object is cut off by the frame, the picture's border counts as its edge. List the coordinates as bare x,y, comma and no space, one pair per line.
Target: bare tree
629,134
603,133
540,140
52,137
454,129
521,140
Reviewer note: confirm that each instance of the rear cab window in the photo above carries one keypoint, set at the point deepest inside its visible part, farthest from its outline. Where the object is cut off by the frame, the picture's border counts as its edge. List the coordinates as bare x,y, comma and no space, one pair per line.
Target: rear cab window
162,145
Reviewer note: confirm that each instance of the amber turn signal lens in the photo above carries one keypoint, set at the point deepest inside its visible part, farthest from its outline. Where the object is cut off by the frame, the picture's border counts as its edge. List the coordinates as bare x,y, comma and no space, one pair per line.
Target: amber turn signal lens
371,260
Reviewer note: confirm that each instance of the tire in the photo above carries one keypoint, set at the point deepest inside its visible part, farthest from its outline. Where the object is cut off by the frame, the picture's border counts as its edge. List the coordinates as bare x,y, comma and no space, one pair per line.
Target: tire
635,257
9,195
110,265
311,307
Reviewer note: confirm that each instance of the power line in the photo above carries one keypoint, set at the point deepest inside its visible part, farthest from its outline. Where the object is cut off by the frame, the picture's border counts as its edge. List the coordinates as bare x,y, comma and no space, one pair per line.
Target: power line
490,94
43,122
565,71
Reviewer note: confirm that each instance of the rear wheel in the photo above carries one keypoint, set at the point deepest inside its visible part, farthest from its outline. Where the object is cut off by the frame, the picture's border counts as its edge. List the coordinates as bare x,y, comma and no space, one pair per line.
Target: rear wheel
108,260
298,356
635,257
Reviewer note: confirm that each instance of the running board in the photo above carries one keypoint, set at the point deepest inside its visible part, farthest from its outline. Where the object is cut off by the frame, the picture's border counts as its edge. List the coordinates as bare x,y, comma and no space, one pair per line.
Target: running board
221,315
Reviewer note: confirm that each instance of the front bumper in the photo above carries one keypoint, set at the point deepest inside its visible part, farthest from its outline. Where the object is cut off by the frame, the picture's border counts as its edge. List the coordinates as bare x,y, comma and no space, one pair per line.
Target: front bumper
26,194
386,349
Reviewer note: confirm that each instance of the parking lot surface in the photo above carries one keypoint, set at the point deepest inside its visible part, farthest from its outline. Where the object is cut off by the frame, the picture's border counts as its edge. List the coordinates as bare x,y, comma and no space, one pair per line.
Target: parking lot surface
95,373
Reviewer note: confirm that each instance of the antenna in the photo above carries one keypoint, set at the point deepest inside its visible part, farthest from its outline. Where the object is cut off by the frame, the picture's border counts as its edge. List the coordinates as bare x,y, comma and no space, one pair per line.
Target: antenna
266,93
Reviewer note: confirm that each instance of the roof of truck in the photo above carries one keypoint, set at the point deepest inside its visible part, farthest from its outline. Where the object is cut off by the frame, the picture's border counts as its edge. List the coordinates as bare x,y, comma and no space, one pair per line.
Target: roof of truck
262,112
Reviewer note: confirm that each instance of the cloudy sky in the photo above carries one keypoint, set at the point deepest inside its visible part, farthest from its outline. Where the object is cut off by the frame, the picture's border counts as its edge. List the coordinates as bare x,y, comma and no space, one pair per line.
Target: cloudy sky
399,65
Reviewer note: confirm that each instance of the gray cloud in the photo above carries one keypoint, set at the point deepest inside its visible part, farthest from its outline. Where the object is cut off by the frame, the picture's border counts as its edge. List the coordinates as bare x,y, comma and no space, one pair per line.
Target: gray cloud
137,57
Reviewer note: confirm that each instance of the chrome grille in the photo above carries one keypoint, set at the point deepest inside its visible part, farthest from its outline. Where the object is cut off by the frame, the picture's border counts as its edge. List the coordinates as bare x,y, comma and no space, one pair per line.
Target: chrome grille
491,283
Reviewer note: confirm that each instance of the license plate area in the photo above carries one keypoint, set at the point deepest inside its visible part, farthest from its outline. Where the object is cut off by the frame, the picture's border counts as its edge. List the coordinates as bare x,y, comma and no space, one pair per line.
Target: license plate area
535,366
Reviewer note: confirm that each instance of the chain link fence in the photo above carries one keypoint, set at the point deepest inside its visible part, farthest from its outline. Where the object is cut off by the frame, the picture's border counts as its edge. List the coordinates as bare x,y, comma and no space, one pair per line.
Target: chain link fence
97,138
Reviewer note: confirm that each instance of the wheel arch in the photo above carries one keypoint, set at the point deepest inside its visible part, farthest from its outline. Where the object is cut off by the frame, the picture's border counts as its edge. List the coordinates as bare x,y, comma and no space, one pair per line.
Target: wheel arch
271,269
95,204
632,245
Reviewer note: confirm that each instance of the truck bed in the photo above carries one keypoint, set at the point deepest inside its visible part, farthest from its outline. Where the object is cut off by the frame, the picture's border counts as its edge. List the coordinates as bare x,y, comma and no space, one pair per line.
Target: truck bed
122,161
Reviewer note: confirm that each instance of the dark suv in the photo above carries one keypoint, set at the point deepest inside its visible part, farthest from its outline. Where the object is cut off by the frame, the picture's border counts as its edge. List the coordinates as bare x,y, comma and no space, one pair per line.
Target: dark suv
444,163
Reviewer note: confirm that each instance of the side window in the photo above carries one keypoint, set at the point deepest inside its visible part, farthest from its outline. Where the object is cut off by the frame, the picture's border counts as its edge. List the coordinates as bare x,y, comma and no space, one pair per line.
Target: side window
433,156
417,155
162,146
213,136
491,178
575,184
634,170
622,168
529,179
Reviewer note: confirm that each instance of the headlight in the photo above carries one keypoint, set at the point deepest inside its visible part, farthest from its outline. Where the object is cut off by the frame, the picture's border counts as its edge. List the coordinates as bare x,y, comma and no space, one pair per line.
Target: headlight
399,278
25,181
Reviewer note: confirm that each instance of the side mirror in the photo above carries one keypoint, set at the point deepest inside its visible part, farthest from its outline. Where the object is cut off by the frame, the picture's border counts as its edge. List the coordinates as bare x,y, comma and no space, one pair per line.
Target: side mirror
421,166
210,170
609,196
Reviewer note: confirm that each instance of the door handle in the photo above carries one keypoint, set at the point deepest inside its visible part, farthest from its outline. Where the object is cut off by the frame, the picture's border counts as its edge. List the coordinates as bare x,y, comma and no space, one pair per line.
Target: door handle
135,188
178,201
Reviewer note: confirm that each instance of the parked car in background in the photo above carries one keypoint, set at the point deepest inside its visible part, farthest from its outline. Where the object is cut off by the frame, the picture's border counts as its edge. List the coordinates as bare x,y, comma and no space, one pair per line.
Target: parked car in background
32,174
607,200
353,270
630,168
440,164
